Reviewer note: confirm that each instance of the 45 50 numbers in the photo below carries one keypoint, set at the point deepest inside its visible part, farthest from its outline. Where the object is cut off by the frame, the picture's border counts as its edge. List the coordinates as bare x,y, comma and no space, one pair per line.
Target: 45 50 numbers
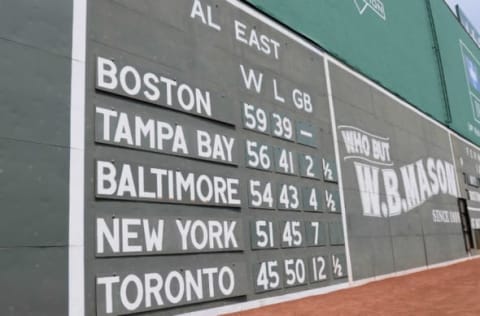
276,274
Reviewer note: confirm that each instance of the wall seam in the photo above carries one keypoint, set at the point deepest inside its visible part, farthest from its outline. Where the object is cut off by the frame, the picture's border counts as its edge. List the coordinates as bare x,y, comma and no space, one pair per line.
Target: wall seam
438,59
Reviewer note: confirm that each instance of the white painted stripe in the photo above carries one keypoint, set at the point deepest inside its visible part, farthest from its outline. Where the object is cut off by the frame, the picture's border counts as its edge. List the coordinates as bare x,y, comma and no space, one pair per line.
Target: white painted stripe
76,273
473,209
339,167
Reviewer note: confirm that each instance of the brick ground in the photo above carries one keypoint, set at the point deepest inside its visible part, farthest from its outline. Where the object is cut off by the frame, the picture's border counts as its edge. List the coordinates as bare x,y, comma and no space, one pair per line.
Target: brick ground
452,290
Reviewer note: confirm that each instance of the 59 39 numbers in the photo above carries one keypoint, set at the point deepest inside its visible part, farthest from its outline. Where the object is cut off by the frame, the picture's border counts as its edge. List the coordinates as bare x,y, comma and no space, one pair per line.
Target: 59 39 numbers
275,124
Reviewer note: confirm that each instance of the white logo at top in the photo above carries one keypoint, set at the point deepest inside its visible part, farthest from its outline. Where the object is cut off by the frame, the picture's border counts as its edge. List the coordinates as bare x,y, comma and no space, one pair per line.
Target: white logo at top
472,72
376,5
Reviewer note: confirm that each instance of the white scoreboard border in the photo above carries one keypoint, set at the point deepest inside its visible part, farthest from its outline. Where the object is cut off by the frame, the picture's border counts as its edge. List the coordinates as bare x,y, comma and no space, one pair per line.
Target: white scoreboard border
76,238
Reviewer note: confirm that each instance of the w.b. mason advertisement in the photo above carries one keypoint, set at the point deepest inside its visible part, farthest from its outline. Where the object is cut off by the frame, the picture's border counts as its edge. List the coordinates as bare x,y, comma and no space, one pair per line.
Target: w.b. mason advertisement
399,182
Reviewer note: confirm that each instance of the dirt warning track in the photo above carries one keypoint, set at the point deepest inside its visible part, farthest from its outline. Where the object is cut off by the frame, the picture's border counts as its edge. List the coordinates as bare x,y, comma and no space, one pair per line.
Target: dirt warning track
452,290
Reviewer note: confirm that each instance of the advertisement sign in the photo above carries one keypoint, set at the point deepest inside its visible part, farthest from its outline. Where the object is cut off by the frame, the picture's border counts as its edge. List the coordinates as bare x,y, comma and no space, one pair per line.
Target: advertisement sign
472,74
399,181
460,58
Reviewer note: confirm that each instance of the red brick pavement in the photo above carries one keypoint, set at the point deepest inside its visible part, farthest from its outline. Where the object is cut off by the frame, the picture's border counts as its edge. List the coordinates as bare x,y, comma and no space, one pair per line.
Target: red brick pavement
452,290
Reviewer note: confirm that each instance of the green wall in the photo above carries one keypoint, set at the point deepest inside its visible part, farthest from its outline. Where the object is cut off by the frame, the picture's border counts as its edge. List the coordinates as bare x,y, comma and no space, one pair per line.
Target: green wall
396,52
461,60
35,63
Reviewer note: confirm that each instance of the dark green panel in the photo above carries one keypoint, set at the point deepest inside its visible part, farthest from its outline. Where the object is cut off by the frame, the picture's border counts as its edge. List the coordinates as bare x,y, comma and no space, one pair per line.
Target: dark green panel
35,46
35,51
44,24
34,281
461,64
394,48
34,194
35,95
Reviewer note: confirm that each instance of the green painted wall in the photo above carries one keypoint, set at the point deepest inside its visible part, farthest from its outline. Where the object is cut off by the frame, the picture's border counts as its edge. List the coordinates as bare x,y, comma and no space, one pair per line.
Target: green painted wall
395,51
461,64
35,62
